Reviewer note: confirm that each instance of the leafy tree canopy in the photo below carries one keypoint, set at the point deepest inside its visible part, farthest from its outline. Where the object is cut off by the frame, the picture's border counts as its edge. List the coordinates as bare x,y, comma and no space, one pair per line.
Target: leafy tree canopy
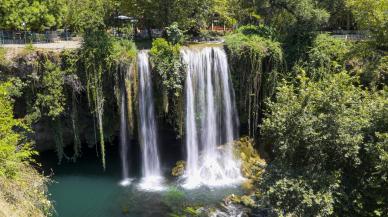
329,143
37,15
373,16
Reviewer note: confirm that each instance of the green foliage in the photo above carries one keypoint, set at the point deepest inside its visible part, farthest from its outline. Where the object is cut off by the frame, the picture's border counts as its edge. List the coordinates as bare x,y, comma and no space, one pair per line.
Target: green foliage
191,15
127,32
260,30
252,164
174,34
306,201
329,145
50,101
95,54
256,64
340,15
85,15
37,15
326,55
3,59
370,64
69,59
165,59
297,22
10,156
102,58
23,189
122,51
254,45
372,15
329,55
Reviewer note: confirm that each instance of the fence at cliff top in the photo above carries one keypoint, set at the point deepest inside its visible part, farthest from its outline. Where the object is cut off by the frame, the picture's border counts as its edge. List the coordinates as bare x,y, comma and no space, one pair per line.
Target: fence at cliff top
353,35
26,37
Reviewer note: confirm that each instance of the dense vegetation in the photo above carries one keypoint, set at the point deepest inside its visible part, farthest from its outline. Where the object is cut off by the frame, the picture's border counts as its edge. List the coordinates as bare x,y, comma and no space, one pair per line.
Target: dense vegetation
23,190
329,147
166,61
315,106
256,63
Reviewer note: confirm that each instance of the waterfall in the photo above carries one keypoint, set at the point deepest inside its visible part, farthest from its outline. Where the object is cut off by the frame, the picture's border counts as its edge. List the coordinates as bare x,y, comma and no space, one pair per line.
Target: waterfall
123,134
152,179
211,119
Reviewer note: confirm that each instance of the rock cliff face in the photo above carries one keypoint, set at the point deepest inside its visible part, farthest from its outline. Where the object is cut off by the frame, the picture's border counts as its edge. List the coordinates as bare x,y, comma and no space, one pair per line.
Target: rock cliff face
57,94
53,97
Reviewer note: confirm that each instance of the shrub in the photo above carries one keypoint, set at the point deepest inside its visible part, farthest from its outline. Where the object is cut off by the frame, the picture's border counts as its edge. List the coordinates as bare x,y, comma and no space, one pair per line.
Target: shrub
260,30
174,34
23,190
329,145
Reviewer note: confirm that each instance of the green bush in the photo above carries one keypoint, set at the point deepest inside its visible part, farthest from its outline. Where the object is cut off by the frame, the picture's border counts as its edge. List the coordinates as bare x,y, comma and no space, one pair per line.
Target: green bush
166,62
174,34
23,189
165,58
326,55
329,143
370,64
51,99
260,30
123,51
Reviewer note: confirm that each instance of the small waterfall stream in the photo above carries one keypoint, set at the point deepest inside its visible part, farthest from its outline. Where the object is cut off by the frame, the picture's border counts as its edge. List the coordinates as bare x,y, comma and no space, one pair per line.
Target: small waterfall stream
152,178
211,119
123,136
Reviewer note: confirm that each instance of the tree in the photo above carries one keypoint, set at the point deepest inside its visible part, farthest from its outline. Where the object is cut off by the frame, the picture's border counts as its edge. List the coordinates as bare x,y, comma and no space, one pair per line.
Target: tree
326,55
297,21
190,15
174,34
85,15
372,15
340,15
37,15
329,143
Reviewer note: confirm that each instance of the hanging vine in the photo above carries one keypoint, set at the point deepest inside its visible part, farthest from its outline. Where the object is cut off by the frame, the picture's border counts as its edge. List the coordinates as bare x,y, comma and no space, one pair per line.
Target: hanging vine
123,59
69,66
255,64
131,89
94,54
75,124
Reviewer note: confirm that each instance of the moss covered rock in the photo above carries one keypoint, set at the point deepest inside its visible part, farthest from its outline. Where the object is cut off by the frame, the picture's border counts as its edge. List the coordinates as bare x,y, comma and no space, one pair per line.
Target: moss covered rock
252,165
179,168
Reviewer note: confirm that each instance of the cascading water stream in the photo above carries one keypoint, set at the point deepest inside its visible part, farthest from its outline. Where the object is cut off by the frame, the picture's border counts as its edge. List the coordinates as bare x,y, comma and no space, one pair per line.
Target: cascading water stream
152,179
123,136
211,119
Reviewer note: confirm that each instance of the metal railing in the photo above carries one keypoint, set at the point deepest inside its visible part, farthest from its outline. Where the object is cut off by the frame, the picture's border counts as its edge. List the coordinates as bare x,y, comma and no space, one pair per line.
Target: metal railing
352,35
27,37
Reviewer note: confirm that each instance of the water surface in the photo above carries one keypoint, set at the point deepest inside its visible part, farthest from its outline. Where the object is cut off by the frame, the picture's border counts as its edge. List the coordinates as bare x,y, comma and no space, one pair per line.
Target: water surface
82,189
